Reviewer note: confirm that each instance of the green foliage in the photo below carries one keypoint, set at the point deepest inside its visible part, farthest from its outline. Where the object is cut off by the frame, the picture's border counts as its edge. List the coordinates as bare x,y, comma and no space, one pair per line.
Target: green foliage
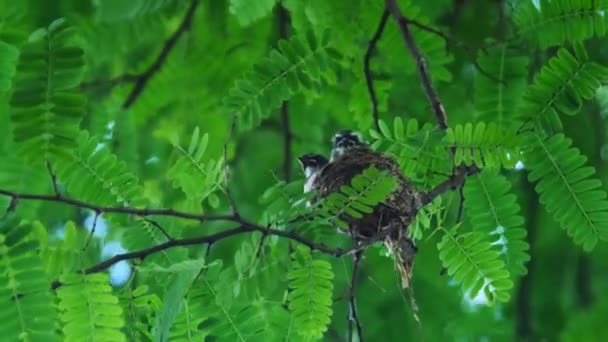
27,311
567,188
505,72
250,11
499,90
60,257
9,55
173,301
303,62
424,219
116,10
474,263
367,189
284,200
208,314
197,178
140,305
562,85
419,150
93,173
89,308
483,145
46,111
584,325
560,21
310,284
494,212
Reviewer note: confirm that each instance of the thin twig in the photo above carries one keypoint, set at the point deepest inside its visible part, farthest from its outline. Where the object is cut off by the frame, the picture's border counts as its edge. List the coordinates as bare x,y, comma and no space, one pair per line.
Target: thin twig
352,306
460,203
287,135
452,183
159,227
471,51
128,78
427,84
120,210
53,178
284,23
86,245
143,78
227,192
367,70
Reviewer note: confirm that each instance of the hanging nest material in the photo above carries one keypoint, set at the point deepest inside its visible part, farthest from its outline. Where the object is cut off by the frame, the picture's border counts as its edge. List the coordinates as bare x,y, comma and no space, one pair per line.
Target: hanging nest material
389,219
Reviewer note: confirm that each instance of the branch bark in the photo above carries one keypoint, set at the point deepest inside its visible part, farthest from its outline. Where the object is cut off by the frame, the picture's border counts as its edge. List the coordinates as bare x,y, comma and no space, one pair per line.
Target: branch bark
142,79
285,126
367,70
427,84
352,306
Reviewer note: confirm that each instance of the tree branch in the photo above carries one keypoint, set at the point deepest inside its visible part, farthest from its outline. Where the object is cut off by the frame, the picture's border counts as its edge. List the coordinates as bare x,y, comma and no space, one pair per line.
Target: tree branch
367,70
53,178
227,192
455,181
141,80
283,16
352,306
427,84
119,210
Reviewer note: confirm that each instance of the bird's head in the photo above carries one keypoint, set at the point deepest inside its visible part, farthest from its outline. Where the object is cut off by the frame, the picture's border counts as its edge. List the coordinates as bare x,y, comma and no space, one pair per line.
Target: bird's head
311,163
343,140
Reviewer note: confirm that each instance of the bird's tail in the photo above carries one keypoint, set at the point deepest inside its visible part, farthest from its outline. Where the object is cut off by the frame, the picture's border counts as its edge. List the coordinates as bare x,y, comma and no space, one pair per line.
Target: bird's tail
404,250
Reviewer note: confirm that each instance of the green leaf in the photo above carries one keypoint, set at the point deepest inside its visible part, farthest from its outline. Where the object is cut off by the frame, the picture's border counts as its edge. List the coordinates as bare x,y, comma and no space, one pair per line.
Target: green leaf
296,66
27,305
310,298
574,199
45,110
494,212
472,262
89,308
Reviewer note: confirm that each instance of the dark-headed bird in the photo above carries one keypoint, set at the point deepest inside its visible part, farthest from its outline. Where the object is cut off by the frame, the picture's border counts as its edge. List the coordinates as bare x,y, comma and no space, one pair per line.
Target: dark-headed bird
390,219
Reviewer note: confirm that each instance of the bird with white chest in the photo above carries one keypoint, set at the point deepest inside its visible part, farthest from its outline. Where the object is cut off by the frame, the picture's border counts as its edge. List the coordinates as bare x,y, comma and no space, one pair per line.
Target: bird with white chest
350,156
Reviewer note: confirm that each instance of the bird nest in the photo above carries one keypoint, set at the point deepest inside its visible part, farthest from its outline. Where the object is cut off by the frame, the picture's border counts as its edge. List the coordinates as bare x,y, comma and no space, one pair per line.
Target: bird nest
390,219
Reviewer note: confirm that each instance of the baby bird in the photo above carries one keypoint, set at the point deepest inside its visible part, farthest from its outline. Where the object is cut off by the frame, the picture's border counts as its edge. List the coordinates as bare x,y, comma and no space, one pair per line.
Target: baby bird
311,164
343,140
350,156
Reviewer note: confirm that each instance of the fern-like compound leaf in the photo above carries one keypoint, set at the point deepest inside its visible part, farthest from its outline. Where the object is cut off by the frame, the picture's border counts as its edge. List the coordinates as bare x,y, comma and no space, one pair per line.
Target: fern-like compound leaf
197,175
310,283
483,145
473,262
498,92
555,22
568,189
115,10
420,151
206,314
366,190
141,305
9,55
173,300
562,85
92,173
45,110
27,312
63,256
89,308
493,210
248,12
303,62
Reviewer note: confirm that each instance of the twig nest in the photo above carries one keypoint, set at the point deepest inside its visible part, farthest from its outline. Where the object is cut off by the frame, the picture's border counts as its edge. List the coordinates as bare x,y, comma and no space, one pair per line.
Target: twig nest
389,221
